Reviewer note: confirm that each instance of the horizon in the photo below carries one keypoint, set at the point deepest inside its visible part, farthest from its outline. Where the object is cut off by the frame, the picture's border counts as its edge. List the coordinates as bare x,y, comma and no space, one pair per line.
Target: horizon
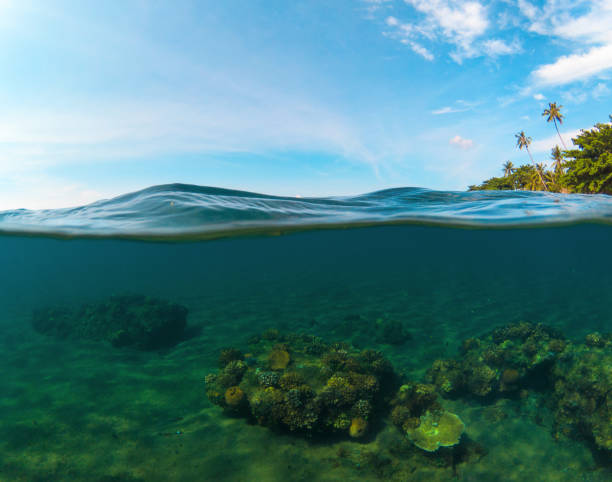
301,99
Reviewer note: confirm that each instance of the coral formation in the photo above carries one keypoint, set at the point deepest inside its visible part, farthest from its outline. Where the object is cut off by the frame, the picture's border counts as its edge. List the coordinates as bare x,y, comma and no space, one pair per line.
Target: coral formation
234,396
419,415
358,427
279,358
435,430
334,388
582,397
128,320
516,357
507,359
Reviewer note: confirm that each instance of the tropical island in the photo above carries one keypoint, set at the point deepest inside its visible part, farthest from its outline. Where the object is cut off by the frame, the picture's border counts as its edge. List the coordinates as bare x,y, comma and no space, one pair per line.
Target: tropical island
586,169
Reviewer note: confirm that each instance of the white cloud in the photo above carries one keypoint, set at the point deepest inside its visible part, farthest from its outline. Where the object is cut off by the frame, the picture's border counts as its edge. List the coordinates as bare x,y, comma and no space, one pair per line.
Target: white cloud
461,142
392,21
459,22
418,49
580,66
496,47
545,145
538,97
585,26
444,110
448,110
460,106
601,90
575,96
463,24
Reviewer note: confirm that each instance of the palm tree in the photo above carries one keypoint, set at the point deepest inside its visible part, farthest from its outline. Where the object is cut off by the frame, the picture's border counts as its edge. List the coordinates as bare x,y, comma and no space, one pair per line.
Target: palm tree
557,158
534,181
508,168
523,141
554,114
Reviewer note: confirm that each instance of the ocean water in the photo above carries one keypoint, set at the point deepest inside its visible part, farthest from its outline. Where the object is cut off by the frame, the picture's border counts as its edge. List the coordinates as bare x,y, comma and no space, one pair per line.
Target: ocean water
445,266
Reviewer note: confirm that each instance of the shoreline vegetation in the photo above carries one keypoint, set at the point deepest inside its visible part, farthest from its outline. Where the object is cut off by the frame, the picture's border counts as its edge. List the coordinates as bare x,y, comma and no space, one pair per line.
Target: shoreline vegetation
585,169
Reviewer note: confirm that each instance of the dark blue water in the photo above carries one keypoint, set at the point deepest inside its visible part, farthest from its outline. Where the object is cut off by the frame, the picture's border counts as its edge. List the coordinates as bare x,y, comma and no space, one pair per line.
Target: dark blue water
446,265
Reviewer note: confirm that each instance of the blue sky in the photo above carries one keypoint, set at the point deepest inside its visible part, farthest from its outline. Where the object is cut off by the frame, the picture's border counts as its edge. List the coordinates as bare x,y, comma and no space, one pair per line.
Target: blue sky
300,98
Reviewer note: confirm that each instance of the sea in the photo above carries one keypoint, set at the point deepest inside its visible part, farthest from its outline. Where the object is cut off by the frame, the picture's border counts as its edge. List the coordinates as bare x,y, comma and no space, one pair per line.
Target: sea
444,266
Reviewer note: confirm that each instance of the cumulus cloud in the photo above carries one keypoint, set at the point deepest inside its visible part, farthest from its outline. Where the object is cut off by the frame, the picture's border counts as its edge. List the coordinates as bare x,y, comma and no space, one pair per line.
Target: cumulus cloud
579,66
460,142
462,24
586,24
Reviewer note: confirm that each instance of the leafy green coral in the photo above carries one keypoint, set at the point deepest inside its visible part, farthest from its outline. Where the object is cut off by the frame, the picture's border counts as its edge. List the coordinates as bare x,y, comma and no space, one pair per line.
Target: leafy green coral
435,430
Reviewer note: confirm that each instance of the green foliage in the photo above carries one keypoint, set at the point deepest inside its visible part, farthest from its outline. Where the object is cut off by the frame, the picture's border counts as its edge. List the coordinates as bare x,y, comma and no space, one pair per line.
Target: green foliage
524,177
589,168
586,169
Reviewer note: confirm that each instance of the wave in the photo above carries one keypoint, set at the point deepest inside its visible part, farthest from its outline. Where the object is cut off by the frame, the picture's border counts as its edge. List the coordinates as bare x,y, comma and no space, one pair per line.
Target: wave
183,211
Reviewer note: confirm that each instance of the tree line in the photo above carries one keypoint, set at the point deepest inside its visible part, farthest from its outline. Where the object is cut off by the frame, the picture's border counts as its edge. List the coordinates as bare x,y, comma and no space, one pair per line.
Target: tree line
586,168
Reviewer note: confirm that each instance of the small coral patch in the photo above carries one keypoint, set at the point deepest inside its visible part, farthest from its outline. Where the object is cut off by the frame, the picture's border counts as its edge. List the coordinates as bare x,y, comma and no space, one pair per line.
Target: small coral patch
279,359
435,430
358,427
234,396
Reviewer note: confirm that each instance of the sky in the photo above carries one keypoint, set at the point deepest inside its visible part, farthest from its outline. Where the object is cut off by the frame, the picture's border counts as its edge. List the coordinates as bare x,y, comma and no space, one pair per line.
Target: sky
296,98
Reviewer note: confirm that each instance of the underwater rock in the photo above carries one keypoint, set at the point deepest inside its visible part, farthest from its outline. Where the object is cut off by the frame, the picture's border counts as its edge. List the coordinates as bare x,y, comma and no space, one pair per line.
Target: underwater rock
129,320
435,430
509,358
290,386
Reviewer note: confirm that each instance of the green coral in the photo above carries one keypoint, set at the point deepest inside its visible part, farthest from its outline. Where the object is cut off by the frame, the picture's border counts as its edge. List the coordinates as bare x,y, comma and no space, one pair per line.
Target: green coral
435,430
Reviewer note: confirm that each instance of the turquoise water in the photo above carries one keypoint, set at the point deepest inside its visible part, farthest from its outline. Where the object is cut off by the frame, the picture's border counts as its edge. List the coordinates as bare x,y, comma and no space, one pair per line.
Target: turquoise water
445,266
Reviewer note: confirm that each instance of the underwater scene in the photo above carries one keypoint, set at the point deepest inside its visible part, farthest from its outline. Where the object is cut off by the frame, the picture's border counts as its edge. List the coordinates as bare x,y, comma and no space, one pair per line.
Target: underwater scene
185,333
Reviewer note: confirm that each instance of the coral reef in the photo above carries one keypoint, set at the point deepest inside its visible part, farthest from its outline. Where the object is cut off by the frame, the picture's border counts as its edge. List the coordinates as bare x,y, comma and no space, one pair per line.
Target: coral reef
301,384
419,415
511,359
435,430
128,320
508,359
582,397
